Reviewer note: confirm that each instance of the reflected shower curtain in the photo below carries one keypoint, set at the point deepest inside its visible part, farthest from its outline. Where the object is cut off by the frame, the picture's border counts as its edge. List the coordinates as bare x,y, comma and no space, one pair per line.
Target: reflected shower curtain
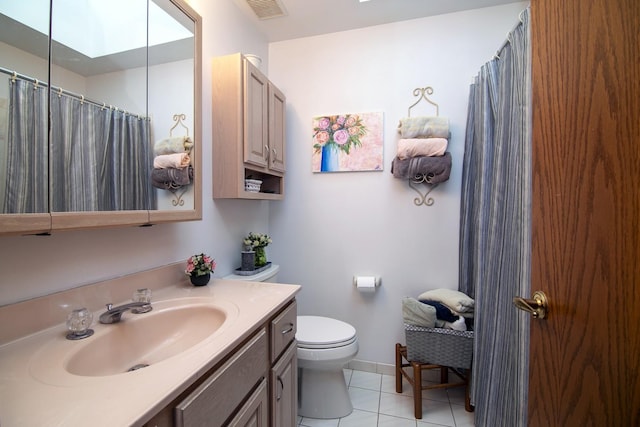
101,158
27,168
495,230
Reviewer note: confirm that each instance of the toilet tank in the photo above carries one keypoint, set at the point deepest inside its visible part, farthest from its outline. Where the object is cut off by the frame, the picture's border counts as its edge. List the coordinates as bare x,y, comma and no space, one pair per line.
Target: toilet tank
268,275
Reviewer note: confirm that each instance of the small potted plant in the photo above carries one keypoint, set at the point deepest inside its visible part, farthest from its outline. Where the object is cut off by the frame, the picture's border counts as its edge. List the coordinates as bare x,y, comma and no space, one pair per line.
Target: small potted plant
199,269
257,242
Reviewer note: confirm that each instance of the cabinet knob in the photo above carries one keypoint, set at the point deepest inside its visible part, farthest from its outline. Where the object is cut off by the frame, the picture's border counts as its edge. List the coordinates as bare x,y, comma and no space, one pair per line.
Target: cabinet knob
275,155
266,152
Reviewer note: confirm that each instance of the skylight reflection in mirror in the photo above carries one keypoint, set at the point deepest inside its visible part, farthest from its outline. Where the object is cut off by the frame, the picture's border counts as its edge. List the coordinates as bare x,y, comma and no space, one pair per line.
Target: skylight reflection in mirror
114,18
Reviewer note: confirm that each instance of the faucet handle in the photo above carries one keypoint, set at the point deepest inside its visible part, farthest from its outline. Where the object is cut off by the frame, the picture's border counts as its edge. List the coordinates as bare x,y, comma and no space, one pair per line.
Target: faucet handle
144,296
109,306
79,324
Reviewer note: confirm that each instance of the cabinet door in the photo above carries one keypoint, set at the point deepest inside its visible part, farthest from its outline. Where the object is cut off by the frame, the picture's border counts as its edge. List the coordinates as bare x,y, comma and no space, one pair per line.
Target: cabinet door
277,128
284,389
256,119
254,413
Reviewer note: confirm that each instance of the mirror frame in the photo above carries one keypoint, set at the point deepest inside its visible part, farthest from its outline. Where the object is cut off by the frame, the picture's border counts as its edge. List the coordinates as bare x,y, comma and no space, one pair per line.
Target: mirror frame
46,223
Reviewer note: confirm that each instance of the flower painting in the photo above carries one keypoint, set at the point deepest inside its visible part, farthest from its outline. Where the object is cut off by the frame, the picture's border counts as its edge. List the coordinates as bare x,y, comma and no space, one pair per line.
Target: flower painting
347,142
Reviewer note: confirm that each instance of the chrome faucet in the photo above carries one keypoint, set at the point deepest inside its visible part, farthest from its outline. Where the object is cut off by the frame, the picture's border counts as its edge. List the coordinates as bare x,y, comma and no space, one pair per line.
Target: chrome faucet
113,314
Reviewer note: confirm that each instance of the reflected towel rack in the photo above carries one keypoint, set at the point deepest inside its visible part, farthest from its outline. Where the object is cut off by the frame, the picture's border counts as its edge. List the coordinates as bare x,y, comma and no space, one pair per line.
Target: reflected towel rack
414,183
178,118
177,199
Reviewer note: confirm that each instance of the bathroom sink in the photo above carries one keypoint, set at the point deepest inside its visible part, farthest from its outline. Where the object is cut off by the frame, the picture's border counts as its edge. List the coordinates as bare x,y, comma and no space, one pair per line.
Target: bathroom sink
140,340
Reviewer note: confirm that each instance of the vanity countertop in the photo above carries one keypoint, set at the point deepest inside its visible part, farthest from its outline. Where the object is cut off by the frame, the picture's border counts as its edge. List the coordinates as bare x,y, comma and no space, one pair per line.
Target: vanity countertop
57,398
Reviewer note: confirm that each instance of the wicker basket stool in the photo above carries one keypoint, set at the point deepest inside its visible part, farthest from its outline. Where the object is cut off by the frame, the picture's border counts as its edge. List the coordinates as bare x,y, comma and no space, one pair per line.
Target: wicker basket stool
434,348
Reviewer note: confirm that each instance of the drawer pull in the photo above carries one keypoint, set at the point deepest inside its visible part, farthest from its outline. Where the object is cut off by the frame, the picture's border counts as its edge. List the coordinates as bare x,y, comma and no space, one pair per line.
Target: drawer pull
281,389
288,329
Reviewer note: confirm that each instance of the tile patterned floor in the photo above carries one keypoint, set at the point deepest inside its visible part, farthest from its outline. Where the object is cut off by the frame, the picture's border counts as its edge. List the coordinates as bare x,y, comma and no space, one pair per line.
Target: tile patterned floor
376,404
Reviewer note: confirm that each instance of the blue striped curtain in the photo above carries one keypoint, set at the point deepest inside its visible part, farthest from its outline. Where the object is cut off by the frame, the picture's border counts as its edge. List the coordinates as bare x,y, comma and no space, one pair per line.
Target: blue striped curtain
101,159
27,164
495,229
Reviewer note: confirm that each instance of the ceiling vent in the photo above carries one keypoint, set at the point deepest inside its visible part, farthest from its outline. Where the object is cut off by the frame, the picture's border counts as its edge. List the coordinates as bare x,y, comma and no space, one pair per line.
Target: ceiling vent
266,9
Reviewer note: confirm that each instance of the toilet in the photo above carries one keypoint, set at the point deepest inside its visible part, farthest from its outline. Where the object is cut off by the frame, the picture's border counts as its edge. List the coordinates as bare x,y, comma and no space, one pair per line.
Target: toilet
325,346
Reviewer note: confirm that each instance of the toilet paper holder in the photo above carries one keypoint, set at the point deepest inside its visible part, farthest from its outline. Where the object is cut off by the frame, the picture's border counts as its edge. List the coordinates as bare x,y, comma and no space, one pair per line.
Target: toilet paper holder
366,283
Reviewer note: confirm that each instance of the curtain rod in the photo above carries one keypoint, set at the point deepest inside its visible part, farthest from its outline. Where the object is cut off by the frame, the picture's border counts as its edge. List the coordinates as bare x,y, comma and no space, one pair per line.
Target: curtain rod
59,91
507,41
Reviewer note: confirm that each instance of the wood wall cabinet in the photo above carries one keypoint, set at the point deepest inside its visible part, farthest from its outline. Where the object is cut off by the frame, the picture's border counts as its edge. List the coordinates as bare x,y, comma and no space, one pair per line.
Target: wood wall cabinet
248,130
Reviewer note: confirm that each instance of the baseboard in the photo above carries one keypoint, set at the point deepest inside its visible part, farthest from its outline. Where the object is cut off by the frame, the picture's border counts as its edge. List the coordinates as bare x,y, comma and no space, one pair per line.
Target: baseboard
375,367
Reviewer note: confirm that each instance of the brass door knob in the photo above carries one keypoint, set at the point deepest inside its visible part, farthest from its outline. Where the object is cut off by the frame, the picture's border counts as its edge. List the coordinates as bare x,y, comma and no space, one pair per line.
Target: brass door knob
538,305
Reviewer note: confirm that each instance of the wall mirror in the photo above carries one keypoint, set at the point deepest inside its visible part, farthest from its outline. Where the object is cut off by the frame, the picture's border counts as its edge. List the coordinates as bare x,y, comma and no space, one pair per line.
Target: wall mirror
100,119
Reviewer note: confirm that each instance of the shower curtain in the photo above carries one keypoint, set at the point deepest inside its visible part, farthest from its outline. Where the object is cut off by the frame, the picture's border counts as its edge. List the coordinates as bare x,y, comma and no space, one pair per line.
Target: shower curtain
495,229
27,170
98,159
101,158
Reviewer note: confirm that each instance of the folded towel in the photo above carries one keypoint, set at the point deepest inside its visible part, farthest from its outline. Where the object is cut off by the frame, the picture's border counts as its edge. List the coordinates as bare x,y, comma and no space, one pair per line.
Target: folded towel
416,313
415,147
437,169
424,127
176,160
178,144
457,301
458,325
171,178
442,311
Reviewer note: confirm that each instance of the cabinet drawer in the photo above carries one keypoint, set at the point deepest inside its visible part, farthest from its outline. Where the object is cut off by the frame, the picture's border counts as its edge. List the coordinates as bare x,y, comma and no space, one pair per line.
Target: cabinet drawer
216,398
283,330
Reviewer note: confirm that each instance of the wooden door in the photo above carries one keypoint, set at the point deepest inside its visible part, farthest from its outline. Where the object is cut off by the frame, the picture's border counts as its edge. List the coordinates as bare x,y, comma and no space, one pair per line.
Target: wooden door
585,358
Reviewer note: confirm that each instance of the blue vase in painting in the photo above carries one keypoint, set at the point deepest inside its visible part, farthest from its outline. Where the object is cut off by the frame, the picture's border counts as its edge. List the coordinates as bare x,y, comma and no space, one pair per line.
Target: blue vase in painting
330,161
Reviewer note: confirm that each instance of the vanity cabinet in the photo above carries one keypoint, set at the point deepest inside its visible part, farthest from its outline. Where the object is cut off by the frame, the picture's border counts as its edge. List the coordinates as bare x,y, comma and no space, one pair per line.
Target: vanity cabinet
255,384
284,368
248,130
284,389
218,396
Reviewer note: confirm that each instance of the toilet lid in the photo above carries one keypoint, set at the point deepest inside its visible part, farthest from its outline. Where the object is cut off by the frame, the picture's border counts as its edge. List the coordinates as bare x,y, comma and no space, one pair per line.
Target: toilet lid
323,332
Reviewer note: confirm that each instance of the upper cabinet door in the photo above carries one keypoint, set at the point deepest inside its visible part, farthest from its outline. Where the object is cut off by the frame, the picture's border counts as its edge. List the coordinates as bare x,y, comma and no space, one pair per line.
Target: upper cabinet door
256,144
277,127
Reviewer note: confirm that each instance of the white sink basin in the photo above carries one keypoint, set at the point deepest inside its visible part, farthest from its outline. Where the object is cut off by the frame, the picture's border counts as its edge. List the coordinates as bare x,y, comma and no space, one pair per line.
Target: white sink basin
137,341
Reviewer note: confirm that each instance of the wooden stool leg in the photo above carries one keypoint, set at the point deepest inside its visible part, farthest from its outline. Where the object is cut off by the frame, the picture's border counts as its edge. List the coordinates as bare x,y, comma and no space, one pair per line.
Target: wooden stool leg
444,375
417,389
467,396
398,369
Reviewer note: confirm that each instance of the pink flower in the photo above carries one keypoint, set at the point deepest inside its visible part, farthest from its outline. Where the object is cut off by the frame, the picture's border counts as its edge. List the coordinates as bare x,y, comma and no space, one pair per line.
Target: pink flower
323,123
322,137
340,120
351,120
341,137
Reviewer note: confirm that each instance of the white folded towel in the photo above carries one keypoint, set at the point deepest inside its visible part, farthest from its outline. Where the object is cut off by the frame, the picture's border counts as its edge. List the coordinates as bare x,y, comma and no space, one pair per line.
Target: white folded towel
415,147
458,325
424,127
457,301
177,144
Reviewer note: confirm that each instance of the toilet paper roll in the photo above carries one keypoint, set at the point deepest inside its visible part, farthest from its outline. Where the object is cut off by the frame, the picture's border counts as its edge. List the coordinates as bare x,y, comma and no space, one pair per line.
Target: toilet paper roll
366,283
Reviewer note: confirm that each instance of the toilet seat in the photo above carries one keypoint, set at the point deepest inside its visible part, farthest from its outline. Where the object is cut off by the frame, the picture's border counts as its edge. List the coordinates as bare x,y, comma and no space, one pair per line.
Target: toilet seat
317,332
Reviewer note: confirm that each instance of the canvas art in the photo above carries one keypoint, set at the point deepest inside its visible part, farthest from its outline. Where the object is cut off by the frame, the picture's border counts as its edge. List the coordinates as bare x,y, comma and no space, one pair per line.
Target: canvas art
348,142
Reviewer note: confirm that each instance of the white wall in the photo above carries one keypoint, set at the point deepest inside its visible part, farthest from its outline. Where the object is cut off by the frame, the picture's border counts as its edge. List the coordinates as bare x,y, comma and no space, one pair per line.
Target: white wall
331,227
32,266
